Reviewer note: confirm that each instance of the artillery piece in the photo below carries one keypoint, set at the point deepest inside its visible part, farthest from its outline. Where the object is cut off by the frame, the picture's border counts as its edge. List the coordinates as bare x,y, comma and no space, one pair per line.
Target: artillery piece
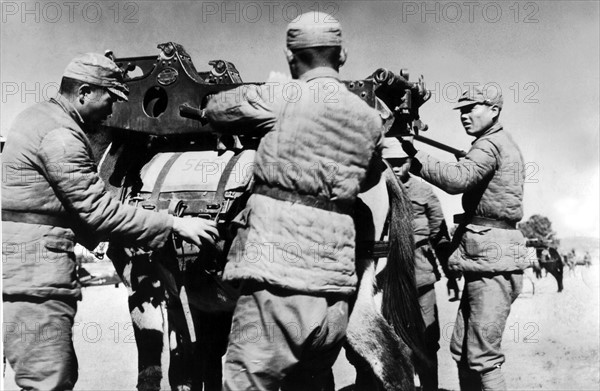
168,96
161,135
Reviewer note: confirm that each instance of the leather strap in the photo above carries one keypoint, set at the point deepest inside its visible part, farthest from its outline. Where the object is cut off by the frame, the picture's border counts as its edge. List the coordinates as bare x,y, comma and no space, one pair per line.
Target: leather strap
160,180
421,242
220,193
304,199
484,221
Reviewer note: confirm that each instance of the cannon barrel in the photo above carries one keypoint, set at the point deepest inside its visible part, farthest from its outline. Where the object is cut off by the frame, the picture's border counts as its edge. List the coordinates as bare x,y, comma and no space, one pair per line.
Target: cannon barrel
436,144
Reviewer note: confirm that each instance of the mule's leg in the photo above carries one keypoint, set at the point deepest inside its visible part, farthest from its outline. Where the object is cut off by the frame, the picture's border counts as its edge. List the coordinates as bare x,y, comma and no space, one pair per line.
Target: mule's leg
212,333
559,276
148,329
365,378
146,301
181,364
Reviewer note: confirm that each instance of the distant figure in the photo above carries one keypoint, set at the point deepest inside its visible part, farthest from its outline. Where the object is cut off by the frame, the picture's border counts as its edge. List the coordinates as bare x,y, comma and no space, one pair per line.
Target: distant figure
587,259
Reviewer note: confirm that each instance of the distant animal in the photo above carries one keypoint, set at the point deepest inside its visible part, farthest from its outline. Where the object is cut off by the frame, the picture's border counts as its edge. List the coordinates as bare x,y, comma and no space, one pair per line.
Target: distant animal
550,260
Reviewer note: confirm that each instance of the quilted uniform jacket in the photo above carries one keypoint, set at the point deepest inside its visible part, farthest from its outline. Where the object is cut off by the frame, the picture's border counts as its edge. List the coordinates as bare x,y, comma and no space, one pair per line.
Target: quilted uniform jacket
491,178
323,141
49,170
429,229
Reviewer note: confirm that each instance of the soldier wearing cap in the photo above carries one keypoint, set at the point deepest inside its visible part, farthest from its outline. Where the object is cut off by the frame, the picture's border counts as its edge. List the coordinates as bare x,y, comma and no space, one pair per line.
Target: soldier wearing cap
294,252
52,197
486,248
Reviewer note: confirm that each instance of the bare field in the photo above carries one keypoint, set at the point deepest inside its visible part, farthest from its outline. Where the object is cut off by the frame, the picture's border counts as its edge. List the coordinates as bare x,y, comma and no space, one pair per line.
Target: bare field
551,340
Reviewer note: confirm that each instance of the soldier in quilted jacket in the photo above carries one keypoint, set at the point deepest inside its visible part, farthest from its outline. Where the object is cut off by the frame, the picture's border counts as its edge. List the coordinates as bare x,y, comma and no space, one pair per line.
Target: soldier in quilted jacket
295,248
486,247
52,197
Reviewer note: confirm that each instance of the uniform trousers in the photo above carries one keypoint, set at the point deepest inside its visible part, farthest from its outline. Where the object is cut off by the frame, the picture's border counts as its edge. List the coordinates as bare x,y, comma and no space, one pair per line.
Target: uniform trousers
427,301
480,323
38,342
284,339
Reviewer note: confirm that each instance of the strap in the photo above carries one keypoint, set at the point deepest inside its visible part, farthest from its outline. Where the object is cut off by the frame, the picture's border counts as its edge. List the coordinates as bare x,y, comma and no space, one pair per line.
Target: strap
484,221
421,242
304,199
36,218
160,180
372,249
220,193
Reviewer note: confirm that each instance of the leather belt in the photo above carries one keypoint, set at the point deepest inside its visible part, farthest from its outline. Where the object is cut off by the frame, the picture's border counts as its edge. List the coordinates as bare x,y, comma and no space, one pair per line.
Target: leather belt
421,242
35,218
484,221
372,249
304,199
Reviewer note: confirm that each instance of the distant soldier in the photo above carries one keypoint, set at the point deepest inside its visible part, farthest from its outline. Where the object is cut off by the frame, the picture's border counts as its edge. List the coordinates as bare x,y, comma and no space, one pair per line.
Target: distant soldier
490,250
431,234
587,259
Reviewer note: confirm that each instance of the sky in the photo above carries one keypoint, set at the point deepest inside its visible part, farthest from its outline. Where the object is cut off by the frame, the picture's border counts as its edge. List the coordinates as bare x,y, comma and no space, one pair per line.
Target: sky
542,55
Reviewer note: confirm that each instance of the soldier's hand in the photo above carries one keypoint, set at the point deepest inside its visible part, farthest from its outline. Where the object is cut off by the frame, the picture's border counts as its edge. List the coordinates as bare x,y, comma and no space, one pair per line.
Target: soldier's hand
196,230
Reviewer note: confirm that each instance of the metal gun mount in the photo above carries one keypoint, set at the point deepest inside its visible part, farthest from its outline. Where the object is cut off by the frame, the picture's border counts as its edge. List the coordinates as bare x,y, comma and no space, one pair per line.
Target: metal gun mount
404,98
167,93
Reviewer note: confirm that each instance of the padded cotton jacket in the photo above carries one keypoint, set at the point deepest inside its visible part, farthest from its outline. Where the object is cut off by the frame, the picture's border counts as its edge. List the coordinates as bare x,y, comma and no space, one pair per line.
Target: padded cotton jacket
323,141
49,170
491,178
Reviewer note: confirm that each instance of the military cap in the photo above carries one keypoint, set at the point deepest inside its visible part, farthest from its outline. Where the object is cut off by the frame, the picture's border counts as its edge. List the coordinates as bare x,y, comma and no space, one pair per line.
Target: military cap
98,70
314,29
477,95
392,149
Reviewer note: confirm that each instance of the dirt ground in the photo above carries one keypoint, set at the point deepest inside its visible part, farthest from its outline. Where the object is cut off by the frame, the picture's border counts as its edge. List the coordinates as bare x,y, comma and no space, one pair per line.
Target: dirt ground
551,340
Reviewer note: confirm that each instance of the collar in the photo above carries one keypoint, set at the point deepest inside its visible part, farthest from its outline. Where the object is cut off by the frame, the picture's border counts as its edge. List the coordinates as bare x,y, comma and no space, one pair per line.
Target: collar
495,128
320,72
68,107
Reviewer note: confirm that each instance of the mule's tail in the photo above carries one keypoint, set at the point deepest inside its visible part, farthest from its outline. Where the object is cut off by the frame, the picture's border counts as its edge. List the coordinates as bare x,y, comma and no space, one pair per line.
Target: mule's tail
400,303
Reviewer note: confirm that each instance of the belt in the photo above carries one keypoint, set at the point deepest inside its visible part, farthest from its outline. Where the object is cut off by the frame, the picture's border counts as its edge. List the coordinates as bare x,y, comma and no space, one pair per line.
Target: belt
372,249
304,199
485,221
35,218
421,242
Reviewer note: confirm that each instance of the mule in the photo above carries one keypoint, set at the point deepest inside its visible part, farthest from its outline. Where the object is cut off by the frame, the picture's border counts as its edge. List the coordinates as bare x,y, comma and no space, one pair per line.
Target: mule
181,315
550,260
385,332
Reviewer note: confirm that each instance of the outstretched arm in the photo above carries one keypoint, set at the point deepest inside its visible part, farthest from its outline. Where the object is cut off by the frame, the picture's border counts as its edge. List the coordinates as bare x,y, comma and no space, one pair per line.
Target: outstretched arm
68,166
247,109
455,177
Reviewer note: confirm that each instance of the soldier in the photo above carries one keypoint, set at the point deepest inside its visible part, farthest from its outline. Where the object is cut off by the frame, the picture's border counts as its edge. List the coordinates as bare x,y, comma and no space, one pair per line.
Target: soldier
430,234
52,197
295,248
487,247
